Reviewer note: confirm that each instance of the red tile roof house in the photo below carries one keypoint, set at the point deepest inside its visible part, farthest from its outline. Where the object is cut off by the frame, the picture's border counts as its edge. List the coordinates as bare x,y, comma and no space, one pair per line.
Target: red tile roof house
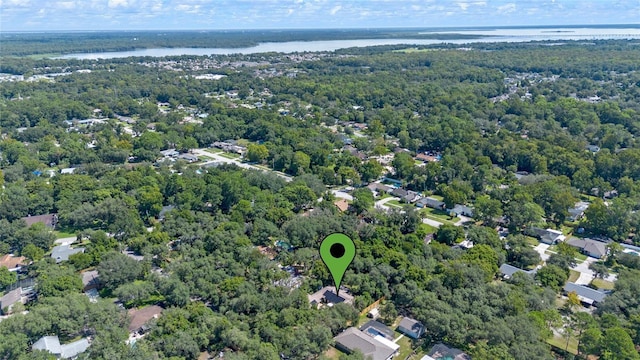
13,263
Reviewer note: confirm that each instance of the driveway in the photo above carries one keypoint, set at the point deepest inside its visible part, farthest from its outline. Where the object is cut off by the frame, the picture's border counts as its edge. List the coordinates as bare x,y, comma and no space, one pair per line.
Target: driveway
380,204
433,223
541,248
217,158
342,195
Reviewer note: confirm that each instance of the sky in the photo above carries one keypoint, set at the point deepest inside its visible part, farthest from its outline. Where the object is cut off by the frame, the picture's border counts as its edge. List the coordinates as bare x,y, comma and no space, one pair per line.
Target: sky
43,15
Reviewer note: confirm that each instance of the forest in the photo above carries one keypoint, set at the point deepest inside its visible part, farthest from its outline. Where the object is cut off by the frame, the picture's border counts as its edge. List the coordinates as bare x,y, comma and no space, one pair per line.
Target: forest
522,132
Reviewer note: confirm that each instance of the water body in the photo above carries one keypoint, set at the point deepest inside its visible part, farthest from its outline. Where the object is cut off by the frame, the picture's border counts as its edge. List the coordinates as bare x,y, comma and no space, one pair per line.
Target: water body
497,35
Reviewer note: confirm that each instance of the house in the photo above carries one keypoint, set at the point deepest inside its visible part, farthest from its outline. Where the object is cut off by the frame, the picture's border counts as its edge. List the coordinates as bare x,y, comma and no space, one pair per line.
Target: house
379,188
12,262
461,210
425,158
431,203
372,347
588,296
65,351
507,271
141,317
610,194
90,280
443,352
407,196
170,153
49,220
589,247
62,252
577,212
547,236
376,328
327,296
9,299
593,148
342,205
411,327
188,157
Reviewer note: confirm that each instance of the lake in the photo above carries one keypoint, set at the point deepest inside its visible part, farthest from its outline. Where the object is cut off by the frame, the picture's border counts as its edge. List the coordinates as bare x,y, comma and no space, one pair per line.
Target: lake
496,35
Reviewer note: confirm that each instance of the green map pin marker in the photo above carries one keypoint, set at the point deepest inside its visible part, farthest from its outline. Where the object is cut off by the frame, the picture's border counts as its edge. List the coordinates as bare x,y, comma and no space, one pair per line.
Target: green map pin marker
337,251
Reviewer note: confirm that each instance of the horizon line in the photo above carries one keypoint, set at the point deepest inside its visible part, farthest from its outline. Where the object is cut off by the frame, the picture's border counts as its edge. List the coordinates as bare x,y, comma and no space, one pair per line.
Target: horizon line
327,28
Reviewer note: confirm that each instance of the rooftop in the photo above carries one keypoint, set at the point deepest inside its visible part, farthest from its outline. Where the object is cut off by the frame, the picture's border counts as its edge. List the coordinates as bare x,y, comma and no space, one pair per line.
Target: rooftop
327,295
585,294
354,339
139,317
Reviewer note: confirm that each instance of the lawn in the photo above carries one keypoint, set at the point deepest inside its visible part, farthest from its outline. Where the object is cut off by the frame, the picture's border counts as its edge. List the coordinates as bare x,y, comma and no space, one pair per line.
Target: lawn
532,241
395,203
332,353
602,284
573,275
230,155
561,343
437,214
405,347
426,229
60,234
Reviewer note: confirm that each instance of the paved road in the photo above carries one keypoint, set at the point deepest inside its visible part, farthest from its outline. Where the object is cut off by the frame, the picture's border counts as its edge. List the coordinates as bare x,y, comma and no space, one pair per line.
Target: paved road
586,275
342,195
65,241
217,158
432,222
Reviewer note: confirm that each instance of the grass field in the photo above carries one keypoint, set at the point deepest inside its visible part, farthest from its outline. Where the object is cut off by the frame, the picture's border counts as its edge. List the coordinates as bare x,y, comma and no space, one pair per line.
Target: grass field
561,342
63,234
602,284
573,275
230,155
532,241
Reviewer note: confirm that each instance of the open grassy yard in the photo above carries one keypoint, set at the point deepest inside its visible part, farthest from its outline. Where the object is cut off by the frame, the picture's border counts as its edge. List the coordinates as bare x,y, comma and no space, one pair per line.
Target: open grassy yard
561,342
230,155
332,353
602,284
60,234
532,241
573,275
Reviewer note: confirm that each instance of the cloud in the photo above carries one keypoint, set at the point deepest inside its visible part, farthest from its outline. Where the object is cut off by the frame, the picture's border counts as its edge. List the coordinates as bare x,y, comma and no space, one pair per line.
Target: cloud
506,8
335,9
116,3
66,5
463,6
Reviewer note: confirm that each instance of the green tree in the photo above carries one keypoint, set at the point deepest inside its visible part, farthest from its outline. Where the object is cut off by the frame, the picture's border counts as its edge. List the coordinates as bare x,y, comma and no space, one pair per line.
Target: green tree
617,345
6,277
362,200
257,153
552,276
449,234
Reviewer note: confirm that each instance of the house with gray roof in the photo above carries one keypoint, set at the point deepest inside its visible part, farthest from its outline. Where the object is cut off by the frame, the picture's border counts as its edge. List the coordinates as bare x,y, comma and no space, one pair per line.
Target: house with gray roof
374,328
327,296
507,271
61,351
62,252
170,153
431,203
547,236
577,212
589,247
374,348
464,210
9,299
411,327
443,352
587,295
